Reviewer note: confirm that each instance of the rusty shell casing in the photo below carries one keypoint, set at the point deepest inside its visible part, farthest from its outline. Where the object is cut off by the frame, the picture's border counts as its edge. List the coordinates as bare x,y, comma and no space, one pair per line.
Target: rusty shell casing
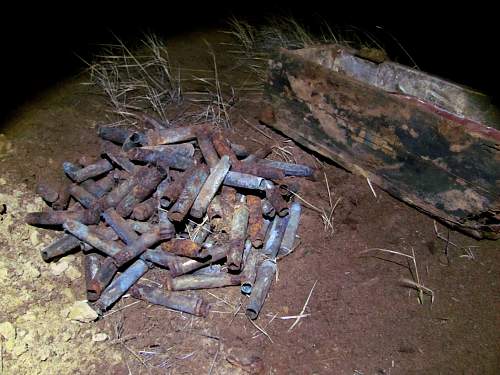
139,246
85,234
290,169
92,264
59,217
208,150
62,202
244,181
249,271
188,195
291,229
92,170
191,282
172,135
274,196
114,197
161,258
210,187
59,247
143,211
101,279
180,149
104,232
179,267
165,226
173,190
140,227
121,226
47,192
182,247
259,170
121,161
93,188
192,305
260,289
237,237
136,139
121,284
223,147
275,236
140,191
82,195
113,133
255,220
240,150
167,158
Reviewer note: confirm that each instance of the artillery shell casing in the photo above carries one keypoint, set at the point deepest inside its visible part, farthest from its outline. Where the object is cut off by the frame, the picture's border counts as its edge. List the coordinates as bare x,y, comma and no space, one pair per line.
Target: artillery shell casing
255,220
105,185
92,264
167,158
117,194
173,135
267,208
83,196
182,247
263,280
84,233
181,267
208,150
239,150
274,236
161,257
137,247
191,282
290,169
259,170
223,147
237,237
244,181
210,187
97,189
101,279
188,195
121,161
62,201
121,284
140,227
181,149
47,192
106,233
121,226
291,229
249,271
92,170
259,154
191,305
59,217
61,246
273,195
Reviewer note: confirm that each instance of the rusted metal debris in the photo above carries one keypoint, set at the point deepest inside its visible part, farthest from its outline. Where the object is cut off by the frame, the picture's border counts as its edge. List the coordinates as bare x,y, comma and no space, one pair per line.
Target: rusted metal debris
432,143
184,200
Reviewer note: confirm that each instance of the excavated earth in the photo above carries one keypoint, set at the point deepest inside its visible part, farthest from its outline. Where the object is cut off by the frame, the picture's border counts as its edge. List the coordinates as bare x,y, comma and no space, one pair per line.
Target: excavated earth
360,318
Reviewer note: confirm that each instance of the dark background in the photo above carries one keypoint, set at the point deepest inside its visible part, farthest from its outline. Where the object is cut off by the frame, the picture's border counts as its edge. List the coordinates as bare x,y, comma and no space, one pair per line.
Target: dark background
39,46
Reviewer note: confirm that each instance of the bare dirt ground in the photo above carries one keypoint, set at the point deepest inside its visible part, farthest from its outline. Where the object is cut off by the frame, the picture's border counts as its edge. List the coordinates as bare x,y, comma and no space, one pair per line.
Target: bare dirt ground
361,319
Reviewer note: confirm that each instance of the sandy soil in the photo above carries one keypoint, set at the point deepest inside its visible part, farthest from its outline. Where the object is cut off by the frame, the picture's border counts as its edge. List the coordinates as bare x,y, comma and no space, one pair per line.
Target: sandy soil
361,319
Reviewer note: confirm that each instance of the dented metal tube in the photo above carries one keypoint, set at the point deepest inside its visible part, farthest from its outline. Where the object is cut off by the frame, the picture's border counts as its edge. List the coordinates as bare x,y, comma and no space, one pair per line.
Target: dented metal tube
192,305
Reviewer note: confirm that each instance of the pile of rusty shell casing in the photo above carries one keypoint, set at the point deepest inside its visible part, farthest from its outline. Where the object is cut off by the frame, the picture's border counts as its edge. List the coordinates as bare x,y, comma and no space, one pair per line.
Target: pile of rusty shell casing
59,247
121,284
192,305
263,280
237,236
210,187
189,193
182,246
290,233
191,282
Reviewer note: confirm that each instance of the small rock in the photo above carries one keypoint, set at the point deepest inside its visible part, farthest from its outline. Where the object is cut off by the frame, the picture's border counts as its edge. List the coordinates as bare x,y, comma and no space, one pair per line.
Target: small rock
34,238
66,336
82,312
20,349
58,268
73,273
44,354
99,337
